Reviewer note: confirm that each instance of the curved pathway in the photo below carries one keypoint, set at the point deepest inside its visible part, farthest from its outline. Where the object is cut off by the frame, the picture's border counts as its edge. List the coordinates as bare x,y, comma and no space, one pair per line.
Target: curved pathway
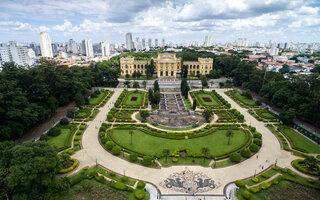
93,153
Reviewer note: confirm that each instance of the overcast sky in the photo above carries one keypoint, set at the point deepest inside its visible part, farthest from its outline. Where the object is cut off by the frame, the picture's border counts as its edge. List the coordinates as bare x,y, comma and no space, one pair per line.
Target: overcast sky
176,21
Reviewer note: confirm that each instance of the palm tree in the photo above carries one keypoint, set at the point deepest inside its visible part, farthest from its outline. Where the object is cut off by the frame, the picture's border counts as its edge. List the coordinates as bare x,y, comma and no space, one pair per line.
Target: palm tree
131,133
229,134
166,153
205,151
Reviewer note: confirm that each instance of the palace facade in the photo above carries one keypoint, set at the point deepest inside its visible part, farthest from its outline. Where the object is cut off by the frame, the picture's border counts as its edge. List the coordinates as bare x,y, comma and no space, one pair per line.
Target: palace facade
166,64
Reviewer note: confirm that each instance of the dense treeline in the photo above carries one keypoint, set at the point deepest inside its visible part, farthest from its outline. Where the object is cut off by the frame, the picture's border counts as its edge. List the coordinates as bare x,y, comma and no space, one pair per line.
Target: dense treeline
29,96
296,95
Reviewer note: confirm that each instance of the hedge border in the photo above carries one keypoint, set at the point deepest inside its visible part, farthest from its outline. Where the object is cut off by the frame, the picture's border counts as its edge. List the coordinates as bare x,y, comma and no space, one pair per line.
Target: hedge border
72,167
296,165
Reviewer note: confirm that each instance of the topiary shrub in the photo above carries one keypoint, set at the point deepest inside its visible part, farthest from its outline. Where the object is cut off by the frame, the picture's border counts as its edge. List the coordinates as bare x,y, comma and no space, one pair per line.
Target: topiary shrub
310,180
255,179
175,159
133,157
139,194
265,175
246,194
291,173
55,131
245,153
64,121
253,147
124,179
118,185
240,183
147,160
141,184
109,145
112,174
275,182
235,157
255,189
265,185
257,135
257,141
116,150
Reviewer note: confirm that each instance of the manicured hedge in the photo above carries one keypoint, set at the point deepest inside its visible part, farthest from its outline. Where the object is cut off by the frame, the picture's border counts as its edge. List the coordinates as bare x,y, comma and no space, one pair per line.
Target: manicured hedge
297,166
72,167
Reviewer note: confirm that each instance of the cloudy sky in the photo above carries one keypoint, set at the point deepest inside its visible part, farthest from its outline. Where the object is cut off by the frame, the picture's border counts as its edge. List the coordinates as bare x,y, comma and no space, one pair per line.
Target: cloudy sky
175,20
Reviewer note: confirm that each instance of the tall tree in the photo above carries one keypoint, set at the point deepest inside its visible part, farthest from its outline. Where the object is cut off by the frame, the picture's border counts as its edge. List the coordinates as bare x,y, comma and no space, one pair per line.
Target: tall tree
166,153
229,134
205,151
156,86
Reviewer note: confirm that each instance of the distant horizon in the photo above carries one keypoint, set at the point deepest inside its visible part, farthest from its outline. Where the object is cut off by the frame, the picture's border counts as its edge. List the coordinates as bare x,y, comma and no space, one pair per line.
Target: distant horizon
177,21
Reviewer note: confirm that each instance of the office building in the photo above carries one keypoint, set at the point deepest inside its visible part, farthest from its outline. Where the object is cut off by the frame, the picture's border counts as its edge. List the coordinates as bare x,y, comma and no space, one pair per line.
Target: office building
207,42
129,41
72,46
87,48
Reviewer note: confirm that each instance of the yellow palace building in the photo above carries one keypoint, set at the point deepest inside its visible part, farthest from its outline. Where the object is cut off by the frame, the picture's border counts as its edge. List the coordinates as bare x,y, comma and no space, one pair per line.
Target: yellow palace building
166,64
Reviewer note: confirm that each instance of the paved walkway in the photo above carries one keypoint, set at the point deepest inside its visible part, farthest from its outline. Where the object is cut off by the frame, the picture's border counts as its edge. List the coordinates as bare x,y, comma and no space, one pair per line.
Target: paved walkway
93,153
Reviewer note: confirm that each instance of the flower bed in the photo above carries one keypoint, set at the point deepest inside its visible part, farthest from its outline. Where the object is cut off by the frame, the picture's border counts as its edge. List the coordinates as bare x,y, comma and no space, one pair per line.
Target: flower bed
206,99
133,98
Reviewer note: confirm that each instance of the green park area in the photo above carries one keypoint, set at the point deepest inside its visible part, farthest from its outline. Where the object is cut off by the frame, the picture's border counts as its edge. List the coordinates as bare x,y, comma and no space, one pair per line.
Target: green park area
98,98
241,99
206,99
298,141
216,142
62,138
134,98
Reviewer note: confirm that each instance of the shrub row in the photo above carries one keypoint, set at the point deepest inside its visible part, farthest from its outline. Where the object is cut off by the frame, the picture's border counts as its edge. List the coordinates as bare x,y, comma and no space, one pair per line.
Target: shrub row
72,167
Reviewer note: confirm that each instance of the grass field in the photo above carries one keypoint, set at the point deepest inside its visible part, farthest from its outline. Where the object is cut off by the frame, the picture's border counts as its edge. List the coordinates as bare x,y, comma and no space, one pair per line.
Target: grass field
83,113
137,102
98,99
299,141
217,142
62,139
187,160
205,94
266,114
243,99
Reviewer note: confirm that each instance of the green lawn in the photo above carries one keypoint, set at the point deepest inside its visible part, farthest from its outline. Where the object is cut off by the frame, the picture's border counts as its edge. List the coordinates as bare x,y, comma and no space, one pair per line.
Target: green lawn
299,141
200,95
187,160
83,113
98,99
243,99
143,143
62,140
131,94
266,114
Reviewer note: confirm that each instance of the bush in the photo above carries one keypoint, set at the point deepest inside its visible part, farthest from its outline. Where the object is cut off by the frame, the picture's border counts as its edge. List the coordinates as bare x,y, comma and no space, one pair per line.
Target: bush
265,175
109,145
257,135
240,183
235,157
265,185
255,189
74,165
174,159
291,173
64,121
257,141
245,153
118,185
246,194
141,184
310,180
255,179
55,131
139,194
253,147
275,182
124,179
133,157
116,150
112,174
147,160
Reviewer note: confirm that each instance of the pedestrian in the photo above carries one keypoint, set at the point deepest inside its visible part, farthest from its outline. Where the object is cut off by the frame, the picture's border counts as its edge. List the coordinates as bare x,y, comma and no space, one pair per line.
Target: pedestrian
257,156
262,166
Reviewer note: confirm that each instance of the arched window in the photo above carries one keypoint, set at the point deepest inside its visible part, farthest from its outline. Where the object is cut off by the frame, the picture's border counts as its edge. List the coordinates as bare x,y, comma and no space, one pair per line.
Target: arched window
197,66
135,66
127,67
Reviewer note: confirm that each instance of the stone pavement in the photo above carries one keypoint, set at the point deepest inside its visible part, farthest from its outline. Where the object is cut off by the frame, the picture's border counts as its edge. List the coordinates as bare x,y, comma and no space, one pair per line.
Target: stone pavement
93,153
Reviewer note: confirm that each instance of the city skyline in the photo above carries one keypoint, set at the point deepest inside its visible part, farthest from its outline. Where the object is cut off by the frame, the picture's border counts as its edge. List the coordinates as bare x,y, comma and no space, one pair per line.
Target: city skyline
177,21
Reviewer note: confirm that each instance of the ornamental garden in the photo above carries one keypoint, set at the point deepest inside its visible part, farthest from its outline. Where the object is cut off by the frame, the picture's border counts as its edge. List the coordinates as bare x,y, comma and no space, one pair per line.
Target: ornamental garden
220,140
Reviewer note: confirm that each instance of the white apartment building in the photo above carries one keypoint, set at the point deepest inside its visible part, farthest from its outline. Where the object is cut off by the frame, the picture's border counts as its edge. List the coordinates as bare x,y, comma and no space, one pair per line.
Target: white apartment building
87,48
207,42
129,41
45,45
14,53
105,48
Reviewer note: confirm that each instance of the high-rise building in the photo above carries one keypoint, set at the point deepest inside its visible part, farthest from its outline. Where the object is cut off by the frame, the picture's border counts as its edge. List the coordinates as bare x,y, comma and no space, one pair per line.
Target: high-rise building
15,53
4,55
45,45
163,42
149,42
156,42
105,48
207,42
129,41
72,46
87,47
143,43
